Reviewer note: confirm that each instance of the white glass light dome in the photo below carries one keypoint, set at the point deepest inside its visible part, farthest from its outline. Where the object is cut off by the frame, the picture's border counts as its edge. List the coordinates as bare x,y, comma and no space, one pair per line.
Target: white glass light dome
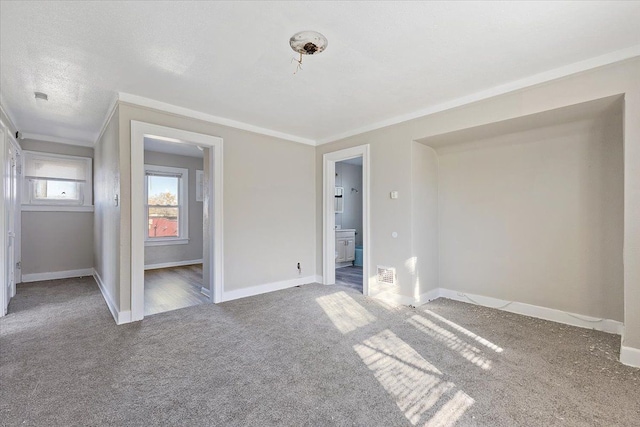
308,42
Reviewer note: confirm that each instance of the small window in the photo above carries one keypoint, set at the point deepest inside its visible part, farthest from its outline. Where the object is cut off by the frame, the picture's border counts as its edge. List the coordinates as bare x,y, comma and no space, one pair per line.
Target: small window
166,205
57,180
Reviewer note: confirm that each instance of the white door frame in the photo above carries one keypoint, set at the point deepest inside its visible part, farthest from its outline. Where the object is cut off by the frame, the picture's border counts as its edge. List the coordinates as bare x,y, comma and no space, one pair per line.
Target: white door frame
4,303
17,241
329,218
212,205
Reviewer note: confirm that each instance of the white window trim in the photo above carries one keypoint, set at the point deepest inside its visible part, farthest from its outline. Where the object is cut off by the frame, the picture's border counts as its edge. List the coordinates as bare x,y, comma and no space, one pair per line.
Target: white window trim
56,208
86,204
183,207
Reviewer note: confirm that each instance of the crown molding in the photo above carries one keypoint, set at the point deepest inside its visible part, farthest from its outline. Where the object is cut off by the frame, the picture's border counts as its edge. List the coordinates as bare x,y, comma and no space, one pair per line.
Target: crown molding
536,79
5,112
186,112
540,78
56,139
110,112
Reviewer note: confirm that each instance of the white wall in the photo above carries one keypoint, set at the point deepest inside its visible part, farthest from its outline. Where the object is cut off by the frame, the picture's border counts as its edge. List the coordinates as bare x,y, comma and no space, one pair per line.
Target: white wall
350,176
537,217
192,250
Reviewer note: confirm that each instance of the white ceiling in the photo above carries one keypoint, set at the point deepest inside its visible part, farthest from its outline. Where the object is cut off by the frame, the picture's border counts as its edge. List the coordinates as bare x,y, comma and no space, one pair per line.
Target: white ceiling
181,149
386,61
355,161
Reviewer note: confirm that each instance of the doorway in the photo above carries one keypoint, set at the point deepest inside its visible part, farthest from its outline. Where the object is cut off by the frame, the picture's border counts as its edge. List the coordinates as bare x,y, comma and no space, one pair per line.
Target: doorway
346,213
348,223
166,228
174,212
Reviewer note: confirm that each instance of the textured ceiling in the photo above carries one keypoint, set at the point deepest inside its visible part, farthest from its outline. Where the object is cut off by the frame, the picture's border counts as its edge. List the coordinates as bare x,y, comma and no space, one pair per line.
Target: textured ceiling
181,149
232,59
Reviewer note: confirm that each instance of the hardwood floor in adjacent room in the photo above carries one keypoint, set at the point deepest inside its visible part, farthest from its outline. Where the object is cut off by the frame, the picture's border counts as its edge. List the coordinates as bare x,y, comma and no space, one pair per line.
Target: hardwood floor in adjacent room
168,289
350,277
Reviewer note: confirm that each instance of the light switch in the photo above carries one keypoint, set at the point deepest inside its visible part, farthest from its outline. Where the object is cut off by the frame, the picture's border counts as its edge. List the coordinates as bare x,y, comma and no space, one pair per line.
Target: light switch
394,194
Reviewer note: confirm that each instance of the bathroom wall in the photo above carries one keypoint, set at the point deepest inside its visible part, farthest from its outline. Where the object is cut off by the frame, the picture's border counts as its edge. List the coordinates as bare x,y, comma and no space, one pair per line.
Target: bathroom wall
349,176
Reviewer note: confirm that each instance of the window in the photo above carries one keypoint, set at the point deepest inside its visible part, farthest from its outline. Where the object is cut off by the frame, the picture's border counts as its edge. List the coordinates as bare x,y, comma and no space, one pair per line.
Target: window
54,181
166,205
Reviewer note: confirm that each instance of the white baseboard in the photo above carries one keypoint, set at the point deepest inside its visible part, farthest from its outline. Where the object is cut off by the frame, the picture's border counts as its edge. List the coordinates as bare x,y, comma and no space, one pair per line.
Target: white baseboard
406,300
172,264
580,320
267,287
318,279
37,277
630,356
119,316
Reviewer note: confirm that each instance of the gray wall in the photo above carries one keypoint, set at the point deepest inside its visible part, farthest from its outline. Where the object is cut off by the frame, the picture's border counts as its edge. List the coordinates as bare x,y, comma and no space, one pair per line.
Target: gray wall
106,183
537,217
269,202
390,149
350,176
424,262
56,241
192,250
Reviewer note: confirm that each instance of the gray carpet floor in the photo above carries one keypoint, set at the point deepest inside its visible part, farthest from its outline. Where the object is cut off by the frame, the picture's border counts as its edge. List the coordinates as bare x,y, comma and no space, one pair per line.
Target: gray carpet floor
311,355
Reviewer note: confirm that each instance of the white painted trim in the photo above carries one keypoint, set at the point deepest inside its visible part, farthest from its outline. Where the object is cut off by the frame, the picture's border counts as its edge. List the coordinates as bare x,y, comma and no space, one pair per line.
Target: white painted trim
4,301
12,123
166,242
186,112
53,275
406,300
183,206
328,217
536,79
317,279
110,112
56,208
630,356
554,315
87,184
267,287
214,205
172,264
56,139
18,220
118,316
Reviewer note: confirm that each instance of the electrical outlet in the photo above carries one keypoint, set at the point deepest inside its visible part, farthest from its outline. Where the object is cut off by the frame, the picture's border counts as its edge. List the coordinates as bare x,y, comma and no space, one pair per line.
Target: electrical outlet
299,269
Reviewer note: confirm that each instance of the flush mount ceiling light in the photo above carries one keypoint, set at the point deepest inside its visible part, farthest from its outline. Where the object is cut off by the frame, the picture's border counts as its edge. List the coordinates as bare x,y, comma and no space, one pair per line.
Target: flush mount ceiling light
41,96
307,43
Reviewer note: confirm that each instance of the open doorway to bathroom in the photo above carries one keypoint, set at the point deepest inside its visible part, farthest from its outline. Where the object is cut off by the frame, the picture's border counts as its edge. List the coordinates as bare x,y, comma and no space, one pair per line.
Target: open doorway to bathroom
346,218
348,223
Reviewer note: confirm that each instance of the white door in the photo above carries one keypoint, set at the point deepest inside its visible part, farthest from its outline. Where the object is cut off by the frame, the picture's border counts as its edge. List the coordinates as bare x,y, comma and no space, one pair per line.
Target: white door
17,222
11,187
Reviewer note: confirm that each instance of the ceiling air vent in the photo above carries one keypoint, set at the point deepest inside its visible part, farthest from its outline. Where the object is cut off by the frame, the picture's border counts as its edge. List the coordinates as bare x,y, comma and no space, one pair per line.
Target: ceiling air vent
386,275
